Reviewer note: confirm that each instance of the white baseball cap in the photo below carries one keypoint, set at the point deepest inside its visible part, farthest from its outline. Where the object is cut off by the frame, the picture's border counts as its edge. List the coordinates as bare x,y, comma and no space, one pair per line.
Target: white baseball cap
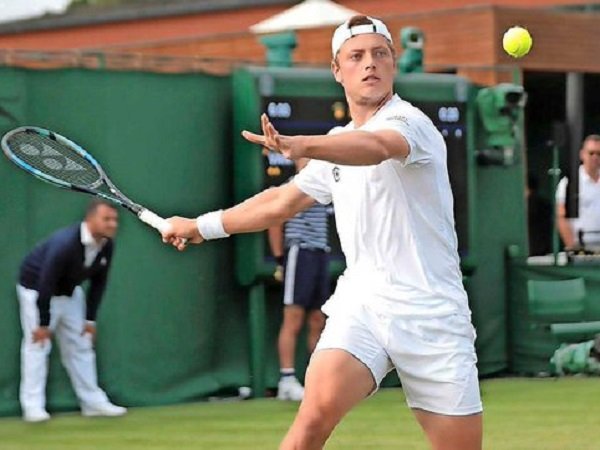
345,32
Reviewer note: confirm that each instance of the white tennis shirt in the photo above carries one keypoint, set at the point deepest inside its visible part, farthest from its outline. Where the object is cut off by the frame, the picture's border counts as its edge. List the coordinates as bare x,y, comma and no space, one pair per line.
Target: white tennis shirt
90,246
589,207
395,221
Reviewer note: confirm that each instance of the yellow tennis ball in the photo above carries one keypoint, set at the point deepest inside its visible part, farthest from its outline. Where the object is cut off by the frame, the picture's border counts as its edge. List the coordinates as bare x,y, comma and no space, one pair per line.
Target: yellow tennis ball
517,42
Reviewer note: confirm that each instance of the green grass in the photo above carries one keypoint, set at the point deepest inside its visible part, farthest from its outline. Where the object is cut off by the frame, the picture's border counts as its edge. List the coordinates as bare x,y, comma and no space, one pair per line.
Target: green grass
520,414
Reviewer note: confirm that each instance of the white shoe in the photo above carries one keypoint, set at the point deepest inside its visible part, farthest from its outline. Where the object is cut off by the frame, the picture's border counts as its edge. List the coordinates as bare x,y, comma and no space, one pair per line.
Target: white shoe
289,388
37,415
103,409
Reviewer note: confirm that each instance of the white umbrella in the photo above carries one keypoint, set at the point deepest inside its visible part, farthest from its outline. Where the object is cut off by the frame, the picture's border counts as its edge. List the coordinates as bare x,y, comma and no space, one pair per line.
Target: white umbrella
307,14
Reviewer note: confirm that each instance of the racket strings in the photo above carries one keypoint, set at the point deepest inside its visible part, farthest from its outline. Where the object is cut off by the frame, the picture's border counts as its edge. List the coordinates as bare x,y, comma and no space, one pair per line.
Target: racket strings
55,159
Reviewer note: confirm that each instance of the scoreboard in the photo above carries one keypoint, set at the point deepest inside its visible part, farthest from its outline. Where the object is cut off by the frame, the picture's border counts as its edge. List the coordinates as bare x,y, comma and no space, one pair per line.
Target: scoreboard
450,119
308,101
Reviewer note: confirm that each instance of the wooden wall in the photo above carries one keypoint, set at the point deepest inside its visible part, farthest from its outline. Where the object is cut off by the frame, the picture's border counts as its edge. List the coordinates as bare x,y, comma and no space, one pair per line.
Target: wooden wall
465,40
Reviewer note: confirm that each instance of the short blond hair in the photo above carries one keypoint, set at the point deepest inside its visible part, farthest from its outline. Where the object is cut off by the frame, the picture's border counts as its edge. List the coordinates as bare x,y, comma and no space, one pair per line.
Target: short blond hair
361,19
592,138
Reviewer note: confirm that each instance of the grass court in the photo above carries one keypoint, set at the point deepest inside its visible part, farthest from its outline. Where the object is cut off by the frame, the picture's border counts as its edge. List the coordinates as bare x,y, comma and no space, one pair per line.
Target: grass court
520,414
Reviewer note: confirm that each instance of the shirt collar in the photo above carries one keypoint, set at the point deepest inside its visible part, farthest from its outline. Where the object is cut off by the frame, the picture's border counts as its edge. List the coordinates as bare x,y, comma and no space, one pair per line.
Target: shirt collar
583,175
394,98
86,236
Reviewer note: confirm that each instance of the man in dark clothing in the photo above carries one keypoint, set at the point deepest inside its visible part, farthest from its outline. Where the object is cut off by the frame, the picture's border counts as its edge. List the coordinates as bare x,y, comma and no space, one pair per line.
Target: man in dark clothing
52,302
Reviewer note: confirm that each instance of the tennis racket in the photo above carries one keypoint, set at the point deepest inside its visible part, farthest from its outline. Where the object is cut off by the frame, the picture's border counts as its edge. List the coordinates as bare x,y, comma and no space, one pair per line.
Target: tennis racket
59,161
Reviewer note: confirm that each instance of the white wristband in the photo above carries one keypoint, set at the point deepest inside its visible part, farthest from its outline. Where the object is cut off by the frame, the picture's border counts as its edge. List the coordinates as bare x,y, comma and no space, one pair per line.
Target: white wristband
210,225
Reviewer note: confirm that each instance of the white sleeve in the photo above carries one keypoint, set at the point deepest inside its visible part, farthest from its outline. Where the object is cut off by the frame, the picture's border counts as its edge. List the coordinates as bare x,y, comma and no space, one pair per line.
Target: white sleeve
416,128
314,179
561,191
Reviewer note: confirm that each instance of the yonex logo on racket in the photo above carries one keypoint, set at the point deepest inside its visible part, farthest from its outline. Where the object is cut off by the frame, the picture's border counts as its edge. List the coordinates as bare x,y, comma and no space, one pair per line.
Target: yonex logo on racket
57,160
50,160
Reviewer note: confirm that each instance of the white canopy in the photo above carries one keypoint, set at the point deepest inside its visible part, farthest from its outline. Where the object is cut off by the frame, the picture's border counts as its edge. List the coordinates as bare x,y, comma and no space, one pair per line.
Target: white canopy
307,14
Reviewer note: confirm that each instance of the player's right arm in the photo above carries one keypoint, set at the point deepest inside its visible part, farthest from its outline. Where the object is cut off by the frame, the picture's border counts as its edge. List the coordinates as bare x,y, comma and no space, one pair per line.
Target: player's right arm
268,208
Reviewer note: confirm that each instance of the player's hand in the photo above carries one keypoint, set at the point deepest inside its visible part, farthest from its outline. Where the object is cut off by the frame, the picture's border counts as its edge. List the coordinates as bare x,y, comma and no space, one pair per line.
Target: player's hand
90,328
271,139
182,232
278,274
41,335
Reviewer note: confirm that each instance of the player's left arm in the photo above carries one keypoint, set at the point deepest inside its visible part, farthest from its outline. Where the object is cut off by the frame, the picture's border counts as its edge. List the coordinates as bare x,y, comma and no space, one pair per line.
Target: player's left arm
357,148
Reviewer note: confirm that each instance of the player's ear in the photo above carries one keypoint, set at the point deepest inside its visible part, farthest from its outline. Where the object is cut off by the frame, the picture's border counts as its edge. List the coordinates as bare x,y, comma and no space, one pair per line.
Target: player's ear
335,70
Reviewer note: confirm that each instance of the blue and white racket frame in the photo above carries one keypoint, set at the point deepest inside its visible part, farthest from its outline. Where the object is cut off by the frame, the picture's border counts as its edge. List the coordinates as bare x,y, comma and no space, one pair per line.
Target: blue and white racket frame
144,214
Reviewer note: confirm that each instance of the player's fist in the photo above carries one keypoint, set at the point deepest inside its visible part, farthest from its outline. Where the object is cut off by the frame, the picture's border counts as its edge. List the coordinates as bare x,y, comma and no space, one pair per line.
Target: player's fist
181,232
278,274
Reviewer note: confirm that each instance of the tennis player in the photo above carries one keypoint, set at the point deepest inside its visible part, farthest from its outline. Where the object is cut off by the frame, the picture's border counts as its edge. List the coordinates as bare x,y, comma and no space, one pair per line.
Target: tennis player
400,304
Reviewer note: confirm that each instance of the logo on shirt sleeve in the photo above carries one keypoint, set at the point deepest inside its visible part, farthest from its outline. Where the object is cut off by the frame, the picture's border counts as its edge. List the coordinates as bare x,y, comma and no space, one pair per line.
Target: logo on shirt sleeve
336,173
398,118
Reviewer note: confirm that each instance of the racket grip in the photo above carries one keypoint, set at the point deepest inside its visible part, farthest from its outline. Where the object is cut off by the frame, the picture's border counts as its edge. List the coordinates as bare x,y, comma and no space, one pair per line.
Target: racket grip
154,220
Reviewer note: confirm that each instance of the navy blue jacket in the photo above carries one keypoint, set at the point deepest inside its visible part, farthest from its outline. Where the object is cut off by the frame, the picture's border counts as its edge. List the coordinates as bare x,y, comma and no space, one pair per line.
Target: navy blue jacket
56,267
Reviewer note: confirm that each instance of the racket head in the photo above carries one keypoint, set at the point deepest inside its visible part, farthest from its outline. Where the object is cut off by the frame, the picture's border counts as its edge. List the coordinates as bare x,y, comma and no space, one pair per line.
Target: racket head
56,159
52,157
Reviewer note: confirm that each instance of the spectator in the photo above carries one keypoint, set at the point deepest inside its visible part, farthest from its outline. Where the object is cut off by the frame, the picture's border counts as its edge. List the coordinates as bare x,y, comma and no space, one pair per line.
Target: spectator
583,231
306,288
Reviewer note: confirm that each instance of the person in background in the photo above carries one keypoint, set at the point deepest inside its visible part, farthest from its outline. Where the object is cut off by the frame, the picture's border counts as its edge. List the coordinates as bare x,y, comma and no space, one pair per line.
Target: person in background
306,287
584,231
52,302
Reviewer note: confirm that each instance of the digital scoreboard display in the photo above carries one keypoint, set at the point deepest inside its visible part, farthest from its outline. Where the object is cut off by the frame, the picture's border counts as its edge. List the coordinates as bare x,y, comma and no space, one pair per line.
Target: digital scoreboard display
317,115
450,119
306,116
299,115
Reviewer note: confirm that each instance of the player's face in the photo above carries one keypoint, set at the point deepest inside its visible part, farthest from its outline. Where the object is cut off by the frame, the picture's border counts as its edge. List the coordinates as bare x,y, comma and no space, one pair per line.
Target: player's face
590,156
103,223
366,68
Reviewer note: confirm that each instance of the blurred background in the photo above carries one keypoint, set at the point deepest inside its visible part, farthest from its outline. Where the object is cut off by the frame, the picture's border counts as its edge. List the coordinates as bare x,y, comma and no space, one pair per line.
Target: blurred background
159,91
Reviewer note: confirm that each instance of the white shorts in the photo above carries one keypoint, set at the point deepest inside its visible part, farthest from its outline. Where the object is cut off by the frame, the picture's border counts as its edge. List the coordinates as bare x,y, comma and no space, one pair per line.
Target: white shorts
434,357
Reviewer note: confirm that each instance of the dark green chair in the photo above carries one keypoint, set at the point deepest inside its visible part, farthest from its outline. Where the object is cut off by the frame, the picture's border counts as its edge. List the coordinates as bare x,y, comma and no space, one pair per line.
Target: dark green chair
560,305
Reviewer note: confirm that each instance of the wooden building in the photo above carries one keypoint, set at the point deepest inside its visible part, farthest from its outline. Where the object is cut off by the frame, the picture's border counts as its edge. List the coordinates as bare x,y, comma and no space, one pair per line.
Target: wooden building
462,36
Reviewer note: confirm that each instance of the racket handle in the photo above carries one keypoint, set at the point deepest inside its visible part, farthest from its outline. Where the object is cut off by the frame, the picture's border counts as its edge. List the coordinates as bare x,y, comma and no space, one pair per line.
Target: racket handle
155,221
